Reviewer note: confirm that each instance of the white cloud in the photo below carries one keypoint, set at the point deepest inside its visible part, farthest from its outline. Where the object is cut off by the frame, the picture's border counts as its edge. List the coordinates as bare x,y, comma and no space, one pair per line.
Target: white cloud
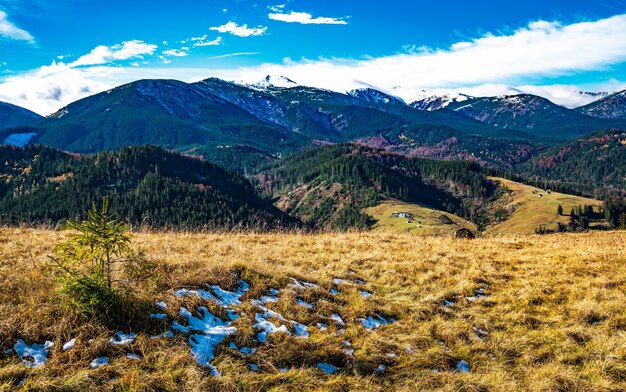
175,53
11,31
201,41
240,31
539,51
105,54
303,18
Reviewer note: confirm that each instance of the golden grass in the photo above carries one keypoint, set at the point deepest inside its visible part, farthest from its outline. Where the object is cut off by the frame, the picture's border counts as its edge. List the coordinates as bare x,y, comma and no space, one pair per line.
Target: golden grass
555,315
533,209
425,221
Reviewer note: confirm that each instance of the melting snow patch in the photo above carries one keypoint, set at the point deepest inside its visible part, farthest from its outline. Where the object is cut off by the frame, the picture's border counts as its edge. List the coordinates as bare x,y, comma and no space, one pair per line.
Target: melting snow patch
334,291
301,330
123,338
375,322
462,367
337,318
299,285
305,304
359,281
98,362
322,326
254,367
243,350
338,281
161,304
365,293
166,334
448,303
327,368
158,316
69,345
133,356
34,355
273,291
381,368
268,298
267,327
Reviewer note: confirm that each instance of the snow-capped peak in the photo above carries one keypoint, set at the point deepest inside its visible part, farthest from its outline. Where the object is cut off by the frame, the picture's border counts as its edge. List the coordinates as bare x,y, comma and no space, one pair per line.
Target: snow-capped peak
436,102
272,81
374,96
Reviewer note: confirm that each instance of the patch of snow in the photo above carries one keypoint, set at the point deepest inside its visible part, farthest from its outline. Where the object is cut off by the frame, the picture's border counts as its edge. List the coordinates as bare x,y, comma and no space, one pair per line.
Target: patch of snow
69,345
448,303
338,281
19,139
158,316
254,367
304,303
123,338
365,293
462,367
268,298
301,330
34,355
322,326
300,285
133,356
161,304
166,334
99,362
375,322
273,291
334,291
337,318
267,327
359,281
380,368
327,368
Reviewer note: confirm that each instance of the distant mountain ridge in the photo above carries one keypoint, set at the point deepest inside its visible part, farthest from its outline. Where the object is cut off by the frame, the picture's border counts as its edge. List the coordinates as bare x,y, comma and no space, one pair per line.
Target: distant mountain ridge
610,107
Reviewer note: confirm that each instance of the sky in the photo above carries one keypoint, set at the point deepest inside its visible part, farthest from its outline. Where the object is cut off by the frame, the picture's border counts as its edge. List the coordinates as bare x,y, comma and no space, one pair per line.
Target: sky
55,52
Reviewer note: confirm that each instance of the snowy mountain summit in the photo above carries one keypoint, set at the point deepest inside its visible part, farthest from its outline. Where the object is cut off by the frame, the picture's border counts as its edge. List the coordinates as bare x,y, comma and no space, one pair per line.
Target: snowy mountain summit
273,81
374,96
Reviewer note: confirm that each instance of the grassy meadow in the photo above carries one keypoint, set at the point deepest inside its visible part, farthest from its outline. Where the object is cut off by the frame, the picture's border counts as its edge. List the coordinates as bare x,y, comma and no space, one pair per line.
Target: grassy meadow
550,315
532,207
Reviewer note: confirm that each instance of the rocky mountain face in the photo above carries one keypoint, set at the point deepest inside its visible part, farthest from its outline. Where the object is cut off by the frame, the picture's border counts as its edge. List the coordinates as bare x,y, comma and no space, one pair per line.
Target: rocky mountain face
610,107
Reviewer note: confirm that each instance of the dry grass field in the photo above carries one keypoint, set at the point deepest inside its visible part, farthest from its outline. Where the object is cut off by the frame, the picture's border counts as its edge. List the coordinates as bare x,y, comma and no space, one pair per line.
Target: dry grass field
536,313
424,220
533,207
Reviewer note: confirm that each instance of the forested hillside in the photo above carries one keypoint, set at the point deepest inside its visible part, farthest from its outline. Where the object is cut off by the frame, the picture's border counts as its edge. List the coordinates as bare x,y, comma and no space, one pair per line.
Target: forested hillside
148,186
327,187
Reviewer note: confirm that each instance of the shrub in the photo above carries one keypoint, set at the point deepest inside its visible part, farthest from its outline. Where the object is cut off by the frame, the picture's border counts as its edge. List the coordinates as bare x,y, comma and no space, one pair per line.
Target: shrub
96,263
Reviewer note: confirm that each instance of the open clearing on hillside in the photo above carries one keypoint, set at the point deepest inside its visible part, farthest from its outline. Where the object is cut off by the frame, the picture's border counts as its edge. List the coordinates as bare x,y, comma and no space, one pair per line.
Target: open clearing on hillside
420,219
505,313
534,207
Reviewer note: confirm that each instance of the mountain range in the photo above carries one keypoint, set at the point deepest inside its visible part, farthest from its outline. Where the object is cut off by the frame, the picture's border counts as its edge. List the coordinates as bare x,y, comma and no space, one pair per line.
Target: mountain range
244,127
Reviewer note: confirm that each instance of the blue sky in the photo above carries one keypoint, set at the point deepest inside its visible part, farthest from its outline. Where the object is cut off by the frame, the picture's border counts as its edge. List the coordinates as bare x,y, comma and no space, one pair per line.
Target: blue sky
53,52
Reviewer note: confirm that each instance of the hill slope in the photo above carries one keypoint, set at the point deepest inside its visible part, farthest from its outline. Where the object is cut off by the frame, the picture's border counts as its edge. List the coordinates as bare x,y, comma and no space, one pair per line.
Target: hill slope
215,114
532,208
533,114
14,116
594,163
328,187
611,107
148,186
520,313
